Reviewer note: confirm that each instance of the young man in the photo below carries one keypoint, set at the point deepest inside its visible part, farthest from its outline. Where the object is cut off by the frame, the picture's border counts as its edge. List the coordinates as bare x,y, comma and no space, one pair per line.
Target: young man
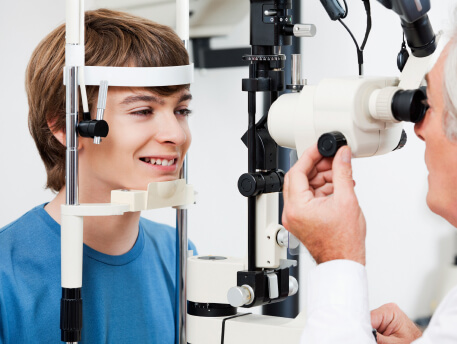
129,262
333,229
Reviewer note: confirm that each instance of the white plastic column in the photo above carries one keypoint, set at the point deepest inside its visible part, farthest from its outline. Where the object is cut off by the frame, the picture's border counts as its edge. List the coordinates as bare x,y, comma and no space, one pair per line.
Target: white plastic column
71,250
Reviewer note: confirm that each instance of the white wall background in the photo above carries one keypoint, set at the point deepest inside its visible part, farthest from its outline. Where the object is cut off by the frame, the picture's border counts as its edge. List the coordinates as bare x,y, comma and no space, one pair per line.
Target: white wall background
406,243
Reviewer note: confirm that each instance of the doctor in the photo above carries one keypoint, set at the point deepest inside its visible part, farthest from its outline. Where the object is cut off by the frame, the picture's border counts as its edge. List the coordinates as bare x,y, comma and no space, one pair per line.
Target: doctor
322,210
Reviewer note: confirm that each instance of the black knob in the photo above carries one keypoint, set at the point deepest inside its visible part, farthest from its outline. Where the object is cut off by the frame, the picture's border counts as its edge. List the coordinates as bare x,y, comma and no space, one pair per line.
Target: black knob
254,184
329,143
93,128
251,184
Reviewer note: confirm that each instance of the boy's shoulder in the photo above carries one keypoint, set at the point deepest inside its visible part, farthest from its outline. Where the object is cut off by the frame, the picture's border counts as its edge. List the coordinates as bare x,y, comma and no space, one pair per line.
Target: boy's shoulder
31,221
30,234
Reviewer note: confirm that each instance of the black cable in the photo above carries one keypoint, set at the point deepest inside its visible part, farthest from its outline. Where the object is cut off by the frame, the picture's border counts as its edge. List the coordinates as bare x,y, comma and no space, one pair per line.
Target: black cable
359,52
352,36
367,5
367,32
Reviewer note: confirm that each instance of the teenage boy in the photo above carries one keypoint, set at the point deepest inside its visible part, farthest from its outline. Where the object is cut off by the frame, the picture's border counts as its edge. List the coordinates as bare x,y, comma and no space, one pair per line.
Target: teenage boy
129,262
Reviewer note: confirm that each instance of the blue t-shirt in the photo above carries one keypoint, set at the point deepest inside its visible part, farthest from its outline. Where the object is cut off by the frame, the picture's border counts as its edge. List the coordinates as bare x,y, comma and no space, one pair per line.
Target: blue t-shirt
126,299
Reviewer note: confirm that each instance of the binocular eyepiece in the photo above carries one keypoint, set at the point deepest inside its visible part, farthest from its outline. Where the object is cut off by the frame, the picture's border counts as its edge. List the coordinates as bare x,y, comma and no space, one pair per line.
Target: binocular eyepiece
410,105
391,104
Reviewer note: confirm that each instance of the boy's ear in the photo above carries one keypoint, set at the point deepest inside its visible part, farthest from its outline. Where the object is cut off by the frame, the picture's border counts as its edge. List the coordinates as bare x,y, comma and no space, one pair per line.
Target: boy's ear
60,135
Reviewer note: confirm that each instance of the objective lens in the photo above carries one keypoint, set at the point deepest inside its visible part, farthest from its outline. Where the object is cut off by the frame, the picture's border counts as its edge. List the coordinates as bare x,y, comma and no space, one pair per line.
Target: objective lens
420,36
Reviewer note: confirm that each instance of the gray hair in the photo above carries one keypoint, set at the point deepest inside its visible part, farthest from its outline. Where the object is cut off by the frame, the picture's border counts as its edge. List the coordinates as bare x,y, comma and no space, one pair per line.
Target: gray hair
450,86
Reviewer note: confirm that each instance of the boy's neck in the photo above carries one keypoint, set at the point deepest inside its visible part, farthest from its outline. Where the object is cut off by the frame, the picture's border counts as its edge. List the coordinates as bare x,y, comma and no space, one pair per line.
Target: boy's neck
113,235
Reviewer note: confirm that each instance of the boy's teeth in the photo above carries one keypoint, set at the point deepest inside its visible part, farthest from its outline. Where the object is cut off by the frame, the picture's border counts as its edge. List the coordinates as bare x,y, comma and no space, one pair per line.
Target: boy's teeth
162,162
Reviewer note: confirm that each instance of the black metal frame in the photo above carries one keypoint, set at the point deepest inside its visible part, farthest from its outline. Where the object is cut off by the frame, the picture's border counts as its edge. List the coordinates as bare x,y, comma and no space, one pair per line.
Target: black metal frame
270,29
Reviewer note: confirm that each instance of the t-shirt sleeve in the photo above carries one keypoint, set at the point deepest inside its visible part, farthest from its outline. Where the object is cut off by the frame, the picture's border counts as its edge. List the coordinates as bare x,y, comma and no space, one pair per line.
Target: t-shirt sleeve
337,310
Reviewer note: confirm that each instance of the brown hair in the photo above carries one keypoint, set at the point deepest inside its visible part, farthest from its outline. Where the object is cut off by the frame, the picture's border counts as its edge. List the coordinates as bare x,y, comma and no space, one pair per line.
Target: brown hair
111,39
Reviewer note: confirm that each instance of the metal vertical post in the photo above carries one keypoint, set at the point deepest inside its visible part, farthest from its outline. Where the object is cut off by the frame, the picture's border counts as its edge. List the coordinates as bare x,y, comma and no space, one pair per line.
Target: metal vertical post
71,168
181,266
182,28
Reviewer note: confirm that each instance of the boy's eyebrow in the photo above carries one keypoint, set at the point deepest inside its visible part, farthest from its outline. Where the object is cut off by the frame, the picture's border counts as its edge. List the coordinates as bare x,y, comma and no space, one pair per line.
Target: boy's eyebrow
184,97
149,98
142,98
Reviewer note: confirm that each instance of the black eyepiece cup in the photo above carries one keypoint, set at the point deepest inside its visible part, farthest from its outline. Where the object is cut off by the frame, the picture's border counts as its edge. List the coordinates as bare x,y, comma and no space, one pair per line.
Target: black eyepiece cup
409,105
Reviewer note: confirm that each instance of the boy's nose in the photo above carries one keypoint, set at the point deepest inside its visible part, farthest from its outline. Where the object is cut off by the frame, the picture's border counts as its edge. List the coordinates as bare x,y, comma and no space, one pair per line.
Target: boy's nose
171,131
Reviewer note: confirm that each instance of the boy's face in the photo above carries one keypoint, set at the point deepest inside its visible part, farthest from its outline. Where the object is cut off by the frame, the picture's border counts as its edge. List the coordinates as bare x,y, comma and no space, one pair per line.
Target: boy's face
147,141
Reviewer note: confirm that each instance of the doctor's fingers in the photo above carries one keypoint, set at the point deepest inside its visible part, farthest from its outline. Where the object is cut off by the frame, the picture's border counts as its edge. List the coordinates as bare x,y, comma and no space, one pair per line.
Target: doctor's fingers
321,179
324,191
323,165
296,191
296,180
342,176
309,161
380,339
393,325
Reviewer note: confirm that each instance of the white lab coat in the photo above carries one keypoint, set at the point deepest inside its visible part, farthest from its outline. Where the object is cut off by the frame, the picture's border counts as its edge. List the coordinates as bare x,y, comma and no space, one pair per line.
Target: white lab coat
338,309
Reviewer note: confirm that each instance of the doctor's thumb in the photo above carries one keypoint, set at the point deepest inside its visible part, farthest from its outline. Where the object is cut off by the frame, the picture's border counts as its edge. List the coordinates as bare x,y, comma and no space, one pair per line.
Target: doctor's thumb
342,172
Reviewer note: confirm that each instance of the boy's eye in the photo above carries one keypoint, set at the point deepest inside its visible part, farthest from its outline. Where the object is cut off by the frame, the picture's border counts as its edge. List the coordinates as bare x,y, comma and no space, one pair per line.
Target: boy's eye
142,112
183,112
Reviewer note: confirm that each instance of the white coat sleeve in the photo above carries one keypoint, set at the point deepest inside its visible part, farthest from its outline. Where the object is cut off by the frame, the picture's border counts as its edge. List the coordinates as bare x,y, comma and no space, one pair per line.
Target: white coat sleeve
443,326
337,307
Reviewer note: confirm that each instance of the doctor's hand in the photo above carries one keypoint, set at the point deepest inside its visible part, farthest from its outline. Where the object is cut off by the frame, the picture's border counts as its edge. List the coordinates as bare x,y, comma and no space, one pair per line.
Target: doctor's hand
393,326
321,208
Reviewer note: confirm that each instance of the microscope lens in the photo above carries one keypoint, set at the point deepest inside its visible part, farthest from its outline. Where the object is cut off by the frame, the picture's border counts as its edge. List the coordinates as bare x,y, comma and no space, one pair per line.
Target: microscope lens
420,36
